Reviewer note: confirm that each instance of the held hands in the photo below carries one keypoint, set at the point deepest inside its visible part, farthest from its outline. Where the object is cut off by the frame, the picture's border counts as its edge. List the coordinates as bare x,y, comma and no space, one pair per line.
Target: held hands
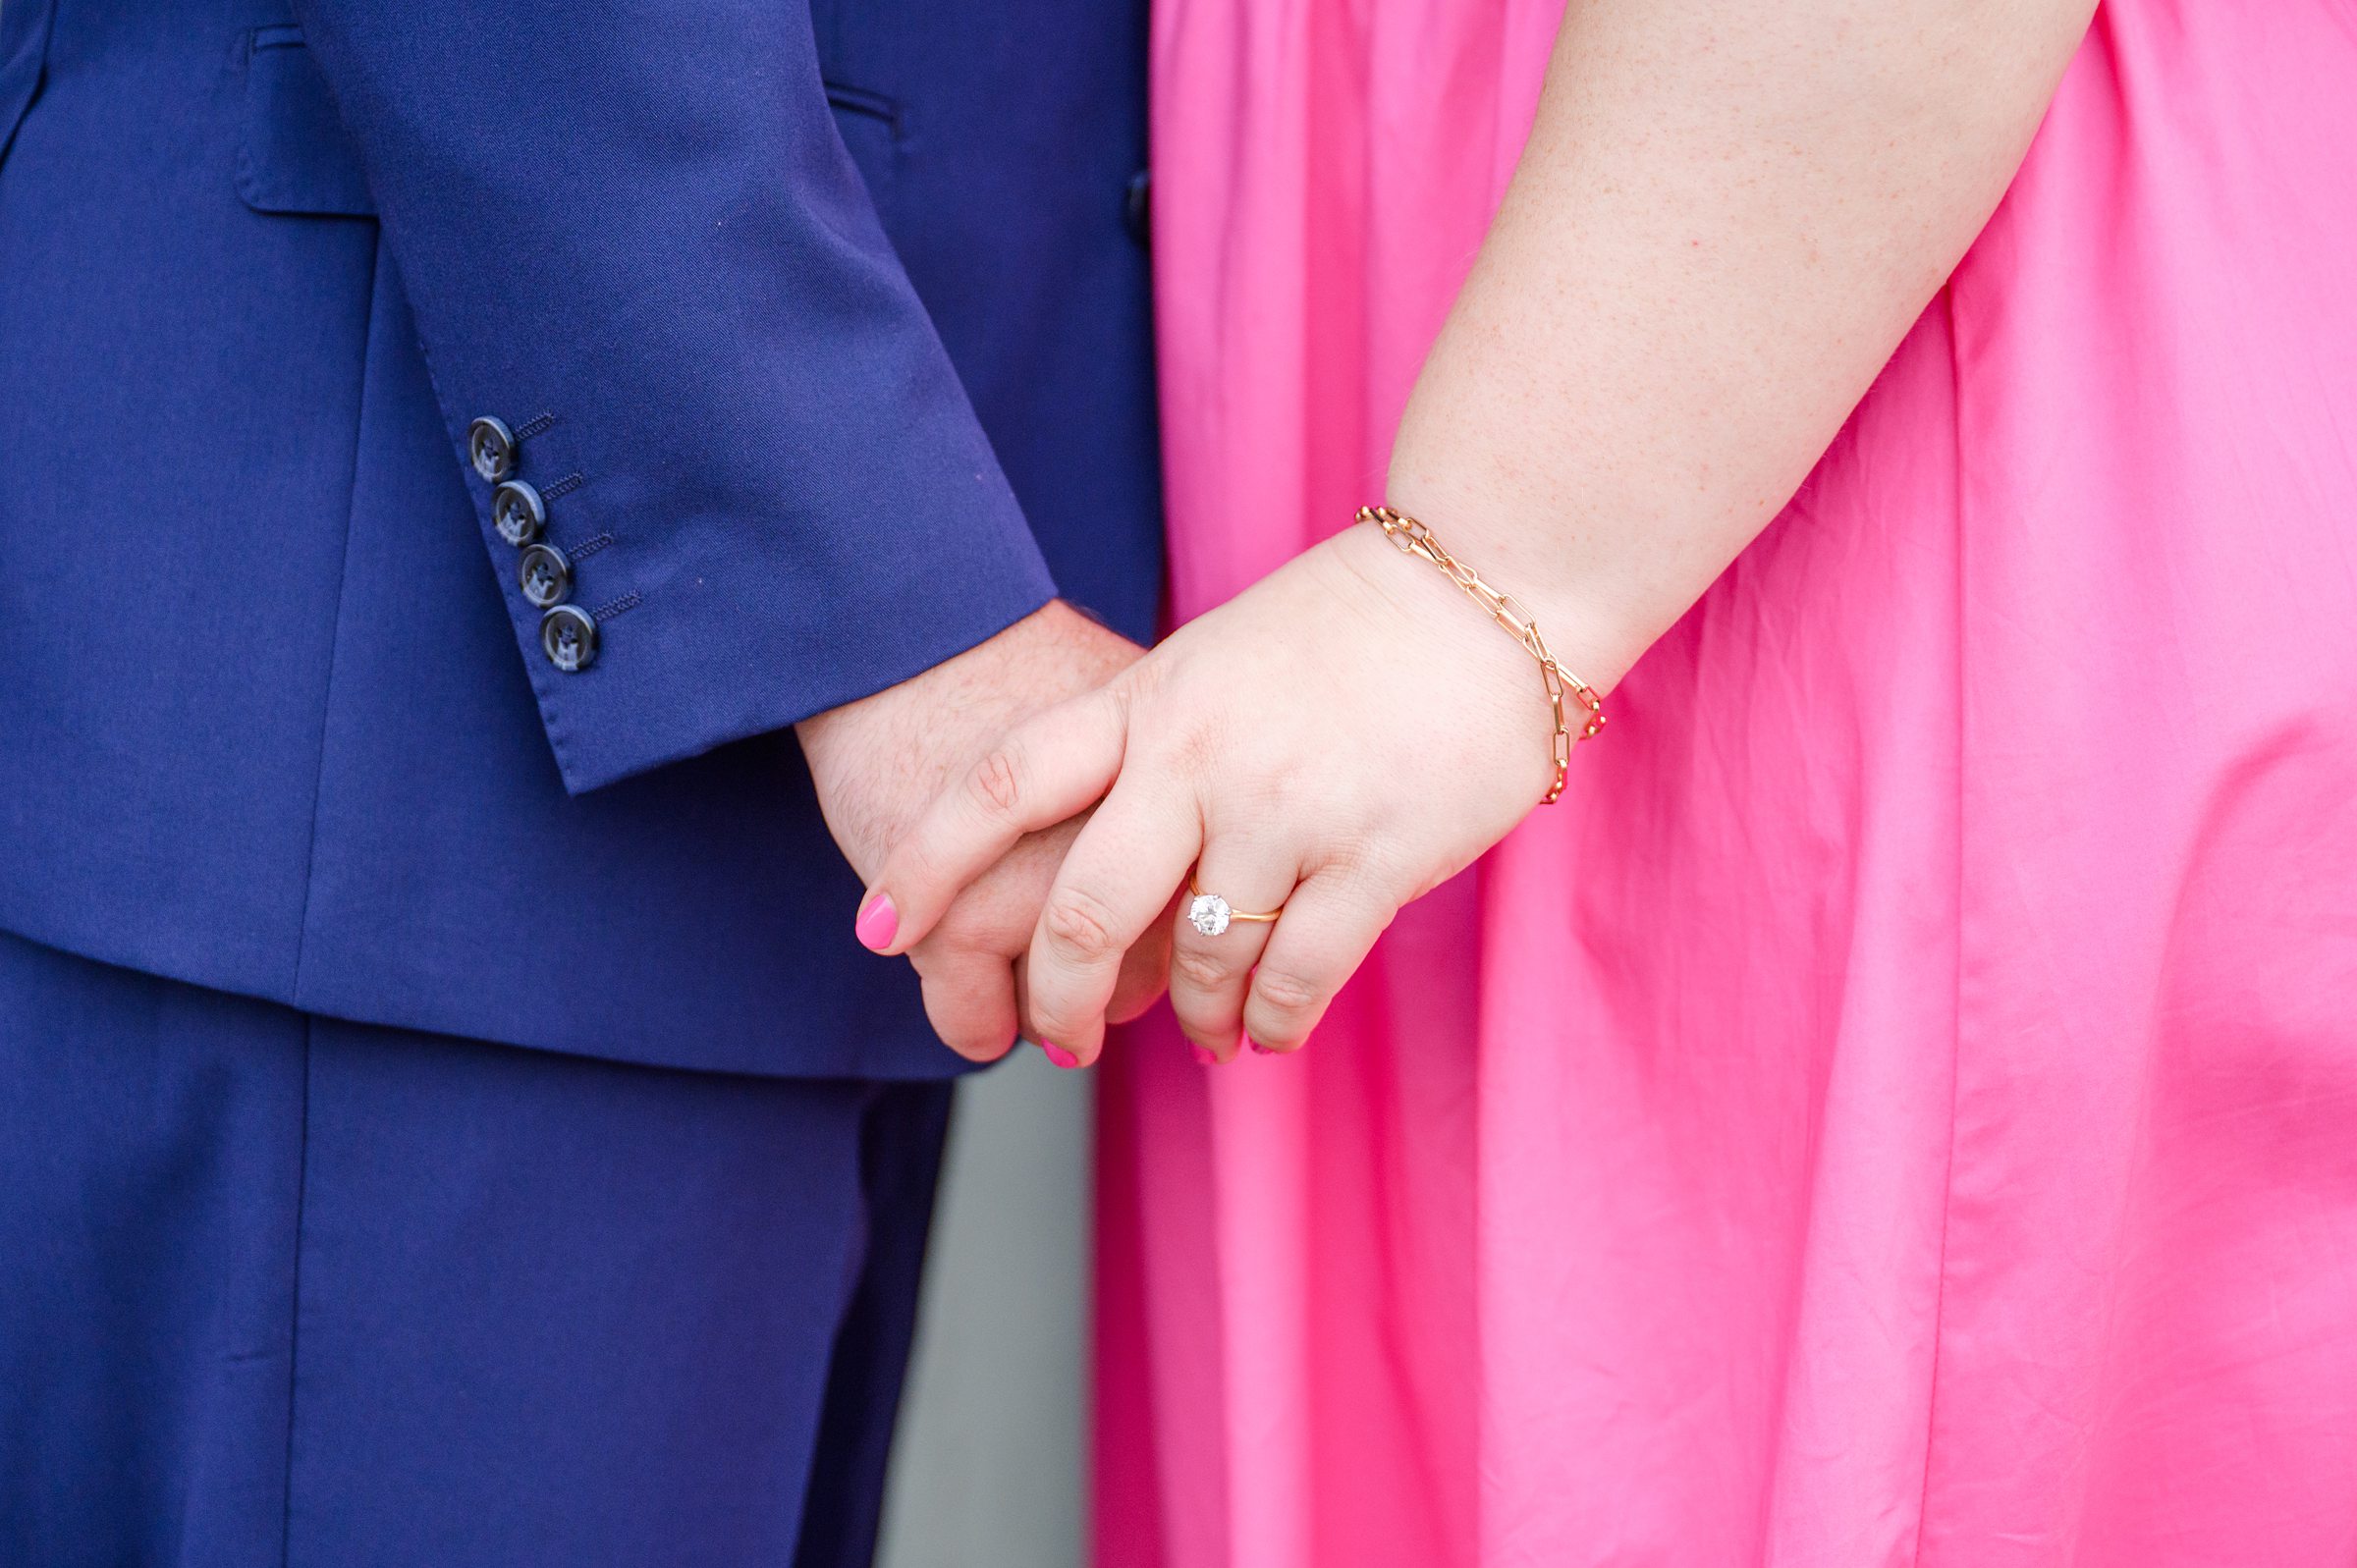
1337,740
877,762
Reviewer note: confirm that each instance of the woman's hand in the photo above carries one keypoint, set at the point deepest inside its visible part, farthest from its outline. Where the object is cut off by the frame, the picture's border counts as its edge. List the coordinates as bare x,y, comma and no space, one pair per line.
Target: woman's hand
1338,739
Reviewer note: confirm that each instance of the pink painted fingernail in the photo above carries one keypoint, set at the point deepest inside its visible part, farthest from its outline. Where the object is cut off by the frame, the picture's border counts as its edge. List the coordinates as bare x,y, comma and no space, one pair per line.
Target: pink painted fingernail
1057,1054
879,922
1203,1054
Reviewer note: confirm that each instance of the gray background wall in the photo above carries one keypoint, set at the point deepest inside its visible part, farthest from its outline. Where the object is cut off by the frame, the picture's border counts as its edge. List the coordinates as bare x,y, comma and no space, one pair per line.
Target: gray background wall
988,1469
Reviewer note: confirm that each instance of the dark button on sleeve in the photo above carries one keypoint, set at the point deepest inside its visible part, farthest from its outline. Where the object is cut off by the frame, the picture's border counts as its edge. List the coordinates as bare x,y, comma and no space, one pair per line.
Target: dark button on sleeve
491,448
517,513
545,575
568,636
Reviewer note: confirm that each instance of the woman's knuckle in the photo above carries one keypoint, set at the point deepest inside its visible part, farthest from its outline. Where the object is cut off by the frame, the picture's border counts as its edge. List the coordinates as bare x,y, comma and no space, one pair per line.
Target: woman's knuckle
997,781
1207,1018
1205,971
1078,924
1286,991
1195,752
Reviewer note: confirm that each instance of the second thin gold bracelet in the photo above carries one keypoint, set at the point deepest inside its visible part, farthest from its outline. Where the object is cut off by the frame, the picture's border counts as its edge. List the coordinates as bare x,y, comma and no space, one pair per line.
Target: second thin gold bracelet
1413,538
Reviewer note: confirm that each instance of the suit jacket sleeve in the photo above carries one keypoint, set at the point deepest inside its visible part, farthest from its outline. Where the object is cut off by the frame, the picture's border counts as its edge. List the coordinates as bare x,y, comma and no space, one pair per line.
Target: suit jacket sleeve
631,233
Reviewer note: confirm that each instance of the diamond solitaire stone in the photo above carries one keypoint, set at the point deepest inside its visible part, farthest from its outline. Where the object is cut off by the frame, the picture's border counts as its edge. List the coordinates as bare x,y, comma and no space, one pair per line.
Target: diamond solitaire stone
1208,913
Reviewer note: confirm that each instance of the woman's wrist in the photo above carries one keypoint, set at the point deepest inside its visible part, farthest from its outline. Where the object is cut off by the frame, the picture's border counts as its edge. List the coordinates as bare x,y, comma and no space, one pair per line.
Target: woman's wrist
1536,553
1444,644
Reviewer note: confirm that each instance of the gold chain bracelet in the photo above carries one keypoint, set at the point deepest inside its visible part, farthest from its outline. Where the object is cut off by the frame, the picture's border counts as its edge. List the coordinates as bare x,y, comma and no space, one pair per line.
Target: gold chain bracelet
1413,538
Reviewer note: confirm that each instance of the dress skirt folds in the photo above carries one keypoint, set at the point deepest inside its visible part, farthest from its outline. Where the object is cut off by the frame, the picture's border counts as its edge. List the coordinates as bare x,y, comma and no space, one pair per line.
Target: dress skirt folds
1900,1108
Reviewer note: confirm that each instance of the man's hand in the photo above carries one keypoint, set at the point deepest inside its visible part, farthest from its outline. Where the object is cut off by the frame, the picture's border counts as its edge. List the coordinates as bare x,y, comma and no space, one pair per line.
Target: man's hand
880,762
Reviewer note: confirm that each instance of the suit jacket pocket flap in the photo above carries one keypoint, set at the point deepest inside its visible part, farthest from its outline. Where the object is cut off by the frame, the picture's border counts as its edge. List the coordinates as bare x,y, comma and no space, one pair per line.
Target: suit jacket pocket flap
297,156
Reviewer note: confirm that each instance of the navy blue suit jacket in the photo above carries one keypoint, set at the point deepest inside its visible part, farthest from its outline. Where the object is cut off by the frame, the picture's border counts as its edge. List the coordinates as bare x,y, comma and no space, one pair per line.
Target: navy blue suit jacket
787,311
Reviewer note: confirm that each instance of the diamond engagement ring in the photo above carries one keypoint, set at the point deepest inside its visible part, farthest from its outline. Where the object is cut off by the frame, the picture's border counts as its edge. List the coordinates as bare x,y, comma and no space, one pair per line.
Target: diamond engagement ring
1210,914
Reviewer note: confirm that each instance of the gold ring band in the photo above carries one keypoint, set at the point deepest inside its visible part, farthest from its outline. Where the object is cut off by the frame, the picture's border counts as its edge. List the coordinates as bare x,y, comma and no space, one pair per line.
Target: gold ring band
1210,914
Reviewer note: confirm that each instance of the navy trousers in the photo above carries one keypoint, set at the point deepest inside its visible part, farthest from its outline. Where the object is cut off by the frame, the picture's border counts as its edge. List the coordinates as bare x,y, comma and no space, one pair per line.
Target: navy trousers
276,1289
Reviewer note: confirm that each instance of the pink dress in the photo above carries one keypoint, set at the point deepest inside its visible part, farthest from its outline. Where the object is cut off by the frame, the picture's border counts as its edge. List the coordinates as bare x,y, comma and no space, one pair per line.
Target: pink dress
1901,1107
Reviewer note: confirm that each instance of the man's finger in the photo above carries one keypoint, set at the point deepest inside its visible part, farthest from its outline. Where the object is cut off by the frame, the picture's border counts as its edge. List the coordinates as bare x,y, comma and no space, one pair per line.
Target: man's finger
970,997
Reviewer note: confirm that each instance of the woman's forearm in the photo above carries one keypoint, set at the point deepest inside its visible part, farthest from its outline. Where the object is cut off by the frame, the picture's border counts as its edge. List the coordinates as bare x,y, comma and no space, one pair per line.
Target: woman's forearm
1729,213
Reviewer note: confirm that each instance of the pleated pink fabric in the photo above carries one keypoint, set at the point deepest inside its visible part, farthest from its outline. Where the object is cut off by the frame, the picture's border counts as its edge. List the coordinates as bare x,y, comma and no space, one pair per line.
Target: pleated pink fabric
1901,1106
